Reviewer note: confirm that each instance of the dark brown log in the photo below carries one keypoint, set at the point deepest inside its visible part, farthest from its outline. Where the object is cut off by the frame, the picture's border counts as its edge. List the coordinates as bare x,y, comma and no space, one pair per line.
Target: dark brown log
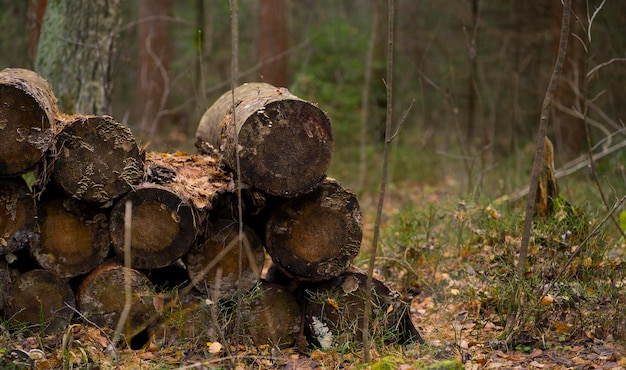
74,237
17,215
39,300
315,236
27,111
220,235
101,297
334,311
162,228
96,159
285,143
272,316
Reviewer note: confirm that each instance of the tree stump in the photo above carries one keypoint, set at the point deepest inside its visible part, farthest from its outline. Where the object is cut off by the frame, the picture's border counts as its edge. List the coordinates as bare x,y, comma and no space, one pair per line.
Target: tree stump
74,237
272,316
315,236
334,311
220,235
547,187
162,228
39,300
285,143
96,159
101,297
27,111
17,215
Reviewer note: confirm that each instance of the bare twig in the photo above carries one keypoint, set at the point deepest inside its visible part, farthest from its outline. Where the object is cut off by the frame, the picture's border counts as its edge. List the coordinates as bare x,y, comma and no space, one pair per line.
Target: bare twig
383,183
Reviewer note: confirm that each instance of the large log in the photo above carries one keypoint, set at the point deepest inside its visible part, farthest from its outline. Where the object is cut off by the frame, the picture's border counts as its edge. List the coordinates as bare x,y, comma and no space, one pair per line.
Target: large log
27,111
334,311
96,159
315,236
101,297
74,237
285,143
39,300
17,215
163,226
220,235
272,316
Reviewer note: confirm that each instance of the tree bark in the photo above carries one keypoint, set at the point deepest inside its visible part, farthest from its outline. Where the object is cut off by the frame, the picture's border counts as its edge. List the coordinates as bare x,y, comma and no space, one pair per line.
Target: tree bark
315,236
285,143
220,235
273,316
74,237
100,297
163,226
27,111
334,311
76,52
39,300
17,215
273,43
96,159
547,187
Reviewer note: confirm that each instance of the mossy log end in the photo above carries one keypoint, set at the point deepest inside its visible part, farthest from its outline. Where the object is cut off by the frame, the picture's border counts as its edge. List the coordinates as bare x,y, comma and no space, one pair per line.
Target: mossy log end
315,236
96,159
163,227
17,216
272,316
74,237
39,300
285,143
220,235
334,311
101,298
27,111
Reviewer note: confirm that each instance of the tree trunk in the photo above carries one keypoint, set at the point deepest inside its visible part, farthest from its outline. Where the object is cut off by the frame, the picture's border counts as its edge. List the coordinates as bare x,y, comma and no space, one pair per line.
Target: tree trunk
97,159
74,237
162,230
39,300
285,143
27,111
154,59
220,235
315,236
273,43
101,297
17,215
334,311
570,130
76,52
272,316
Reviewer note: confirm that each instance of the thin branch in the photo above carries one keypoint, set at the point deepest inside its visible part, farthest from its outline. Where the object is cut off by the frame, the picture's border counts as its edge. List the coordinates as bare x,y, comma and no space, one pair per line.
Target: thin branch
543,123
602,65
383,184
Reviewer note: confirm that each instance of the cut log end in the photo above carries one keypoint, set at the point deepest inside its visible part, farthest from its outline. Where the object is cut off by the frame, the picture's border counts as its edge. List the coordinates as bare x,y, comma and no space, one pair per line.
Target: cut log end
40,299
162,227
27,110
97,159
221,234
316,236
17,216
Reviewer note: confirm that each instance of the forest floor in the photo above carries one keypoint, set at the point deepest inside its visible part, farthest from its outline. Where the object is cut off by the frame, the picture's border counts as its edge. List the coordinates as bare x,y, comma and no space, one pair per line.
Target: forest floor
454,261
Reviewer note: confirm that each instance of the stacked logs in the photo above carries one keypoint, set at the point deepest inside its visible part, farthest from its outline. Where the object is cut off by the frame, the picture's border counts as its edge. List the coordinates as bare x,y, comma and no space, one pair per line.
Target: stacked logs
68,182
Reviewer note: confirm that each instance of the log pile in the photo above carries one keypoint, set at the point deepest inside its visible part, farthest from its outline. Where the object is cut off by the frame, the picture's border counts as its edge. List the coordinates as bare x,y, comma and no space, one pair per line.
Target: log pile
67,182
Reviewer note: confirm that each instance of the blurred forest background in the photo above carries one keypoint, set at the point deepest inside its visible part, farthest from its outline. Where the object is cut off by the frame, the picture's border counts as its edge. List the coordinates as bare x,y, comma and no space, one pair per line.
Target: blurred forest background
476,69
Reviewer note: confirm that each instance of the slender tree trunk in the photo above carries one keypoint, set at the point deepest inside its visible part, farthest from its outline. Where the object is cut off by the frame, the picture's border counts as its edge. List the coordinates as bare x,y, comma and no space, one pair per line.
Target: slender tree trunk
76,52
36,10
273,43
154,60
